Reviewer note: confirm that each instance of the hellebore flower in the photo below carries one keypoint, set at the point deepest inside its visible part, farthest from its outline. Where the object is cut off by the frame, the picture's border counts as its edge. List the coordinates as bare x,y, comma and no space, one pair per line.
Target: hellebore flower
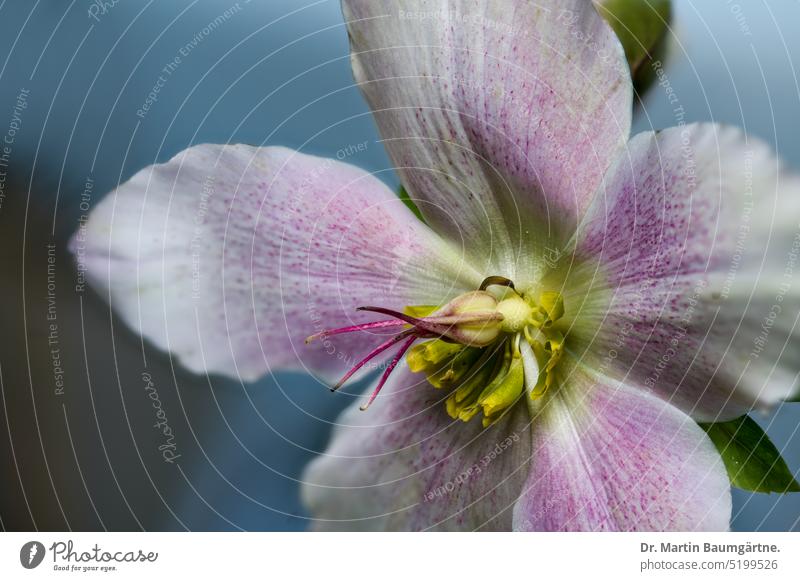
573,303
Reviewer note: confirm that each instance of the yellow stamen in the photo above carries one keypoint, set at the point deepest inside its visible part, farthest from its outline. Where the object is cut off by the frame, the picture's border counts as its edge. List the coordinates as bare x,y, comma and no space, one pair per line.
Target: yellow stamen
489,377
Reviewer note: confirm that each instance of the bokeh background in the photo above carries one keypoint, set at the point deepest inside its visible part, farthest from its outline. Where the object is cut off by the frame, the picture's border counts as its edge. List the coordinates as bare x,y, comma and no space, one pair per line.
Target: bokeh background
75,77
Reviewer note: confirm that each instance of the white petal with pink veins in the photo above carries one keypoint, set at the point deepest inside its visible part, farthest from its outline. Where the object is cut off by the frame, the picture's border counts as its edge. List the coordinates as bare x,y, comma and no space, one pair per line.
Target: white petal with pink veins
500,120
406,465
230,255
612,457
696,242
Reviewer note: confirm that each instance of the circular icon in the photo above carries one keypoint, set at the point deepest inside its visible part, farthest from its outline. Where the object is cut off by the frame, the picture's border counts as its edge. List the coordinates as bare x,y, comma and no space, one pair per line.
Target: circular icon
31,554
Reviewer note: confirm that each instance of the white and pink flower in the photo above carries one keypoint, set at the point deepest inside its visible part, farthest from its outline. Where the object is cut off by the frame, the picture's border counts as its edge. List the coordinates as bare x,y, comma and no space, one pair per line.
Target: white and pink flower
581,299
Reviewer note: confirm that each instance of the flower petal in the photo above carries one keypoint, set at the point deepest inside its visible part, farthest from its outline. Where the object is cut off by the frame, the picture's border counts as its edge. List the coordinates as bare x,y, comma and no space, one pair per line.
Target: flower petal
406,465
698,245
501,117
229,256
609,457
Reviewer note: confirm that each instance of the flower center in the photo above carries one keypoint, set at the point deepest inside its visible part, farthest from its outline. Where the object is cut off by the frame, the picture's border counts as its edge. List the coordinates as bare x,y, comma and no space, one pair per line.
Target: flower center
492,378
488,347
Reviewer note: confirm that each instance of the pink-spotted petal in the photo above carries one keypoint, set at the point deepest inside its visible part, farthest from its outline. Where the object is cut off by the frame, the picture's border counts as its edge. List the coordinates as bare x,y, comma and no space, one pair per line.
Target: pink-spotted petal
611,457
501,117
406,465
229,256
696,247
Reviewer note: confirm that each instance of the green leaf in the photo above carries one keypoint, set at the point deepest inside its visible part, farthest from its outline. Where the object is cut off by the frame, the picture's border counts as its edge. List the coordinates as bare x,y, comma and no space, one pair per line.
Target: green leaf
406,199
751,459
639,25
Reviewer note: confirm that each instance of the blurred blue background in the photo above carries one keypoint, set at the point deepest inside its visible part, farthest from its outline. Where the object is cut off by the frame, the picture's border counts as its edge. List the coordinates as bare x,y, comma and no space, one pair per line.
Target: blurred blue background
258,72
